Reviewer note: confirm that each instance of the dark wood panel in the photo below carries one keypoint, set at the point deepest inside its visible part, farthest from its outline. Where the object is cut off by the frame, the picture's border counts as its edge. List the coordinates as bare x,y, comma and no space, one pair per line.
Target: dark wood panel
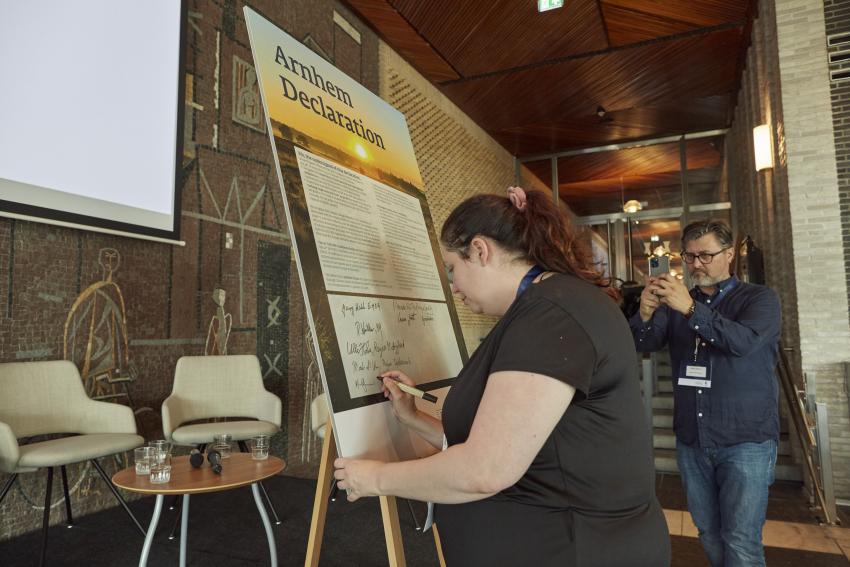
685,115
697,13
627,26
693,67
667,181
535,81
482,37
660,158
395,30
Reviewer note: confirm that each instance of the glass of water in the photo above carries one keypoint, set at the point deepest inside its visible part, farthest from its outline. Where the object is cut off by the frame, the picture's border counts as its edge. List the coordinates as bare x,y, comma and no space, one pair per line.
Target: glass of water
142,458
161,470
161,449
260,447
221,443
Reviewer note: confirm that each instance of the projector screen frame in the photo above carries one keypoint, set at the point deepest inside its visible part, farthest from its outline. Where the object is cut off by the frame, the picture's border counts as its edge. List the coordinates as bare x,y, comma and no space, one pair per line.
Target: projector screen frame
56,217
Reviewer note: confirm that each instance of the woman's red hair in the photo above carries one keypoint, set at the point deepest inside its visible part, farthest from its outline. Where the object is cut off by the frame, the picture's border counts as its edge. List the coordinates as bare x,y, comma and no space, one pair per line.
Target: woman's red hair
541,234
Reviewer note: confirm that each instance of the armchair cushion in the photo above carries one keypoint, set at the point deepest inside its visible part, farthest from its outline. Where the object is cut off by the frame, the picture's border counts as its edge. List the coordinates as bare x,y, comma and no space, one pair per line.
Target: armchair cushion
203,432
78,448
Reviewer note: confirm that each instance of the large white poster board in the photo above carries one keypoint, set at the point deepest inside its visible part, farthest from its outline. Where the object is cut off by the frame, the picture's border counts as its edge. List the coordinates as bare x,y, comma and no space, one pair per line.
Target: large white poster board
368,258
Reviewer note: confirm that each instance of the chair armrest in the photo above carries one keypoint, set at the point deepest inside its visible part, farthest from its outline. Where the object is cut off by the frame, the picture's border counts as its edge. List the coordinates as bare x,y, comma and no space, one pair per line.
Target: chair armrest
269,408
9,453
172,415
107,417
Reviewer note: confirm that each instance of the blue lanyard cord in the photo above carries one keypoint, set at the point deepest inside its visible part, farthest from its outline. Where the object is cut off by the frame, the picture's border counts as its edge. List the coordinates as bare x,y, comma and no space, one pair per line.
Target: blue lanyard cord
528,278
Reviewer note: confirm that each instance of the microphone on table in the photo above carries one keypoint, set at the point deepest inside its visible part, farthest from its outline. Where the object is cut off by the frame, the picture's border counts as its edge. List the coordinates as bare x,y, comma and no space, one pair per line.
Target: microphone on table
214,457
196,458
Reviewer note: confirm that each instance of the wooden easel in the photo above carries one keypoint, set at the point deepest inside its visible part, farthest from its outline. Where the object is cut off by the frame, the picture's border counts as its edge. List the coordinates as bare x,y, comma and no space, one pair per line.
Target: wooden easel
389,512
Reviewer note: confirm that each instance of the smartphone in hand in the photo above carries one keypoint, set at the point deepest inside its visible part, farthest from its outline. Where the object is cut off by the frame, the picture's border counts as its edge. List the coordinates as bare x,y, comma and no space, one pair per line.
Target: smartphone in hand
659,265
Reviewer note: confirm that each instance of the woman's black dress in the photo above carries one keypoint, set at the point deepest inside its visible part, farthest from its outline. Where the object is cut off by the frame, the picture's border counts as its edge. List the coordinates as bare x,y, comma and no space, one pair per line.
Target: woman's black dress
588,498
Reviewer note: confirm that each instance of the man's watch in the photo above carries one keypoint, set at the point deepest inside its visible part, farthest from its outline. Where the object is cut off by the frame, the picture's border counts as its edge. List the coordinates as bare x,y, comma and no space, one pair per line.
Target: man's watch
691,310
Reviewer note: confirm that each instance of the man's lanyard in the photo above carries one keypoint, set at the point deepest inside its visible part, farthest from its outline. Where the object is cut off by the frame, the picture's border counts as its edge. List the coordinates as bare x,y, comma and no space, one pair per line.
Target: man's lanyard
528,278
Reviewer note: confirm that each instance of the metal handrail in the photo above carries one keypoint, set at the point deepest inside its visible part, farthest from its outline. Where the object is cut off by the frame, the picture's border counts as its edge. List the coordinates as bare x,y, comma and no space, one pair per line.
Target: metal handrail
804,426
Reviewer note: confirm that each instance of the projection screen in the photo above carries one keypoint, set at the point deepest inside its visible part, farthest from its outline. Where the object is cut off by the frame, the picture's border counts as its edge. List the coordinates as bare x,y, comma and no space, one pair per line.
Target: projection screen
91,113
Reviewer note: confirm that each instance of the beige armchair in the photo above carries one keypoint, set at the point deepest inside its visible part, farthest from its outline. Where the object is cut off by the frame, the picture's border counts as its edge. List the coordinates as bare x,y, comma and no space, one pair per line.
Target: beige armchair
212,387
45,398
319,415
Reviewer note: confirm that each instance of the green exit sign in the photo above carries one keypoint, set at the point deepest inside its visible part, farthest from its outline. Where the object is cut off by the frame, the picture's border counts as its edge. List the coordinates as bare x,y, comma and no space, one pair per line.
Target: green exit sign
544,5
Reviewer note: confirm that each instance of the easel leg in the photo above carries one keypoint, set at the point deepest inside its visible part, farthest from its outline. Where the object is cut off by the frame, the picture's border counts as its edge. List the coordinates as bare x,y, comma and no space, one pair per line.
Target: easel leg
389,511
320,502
392,531
439,546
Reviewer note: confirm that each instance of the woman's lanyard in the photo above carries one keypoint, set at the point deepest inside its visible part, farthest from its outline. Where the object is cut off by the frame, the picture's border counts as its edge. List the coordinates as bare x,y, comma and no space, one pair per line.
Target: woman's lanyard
528,278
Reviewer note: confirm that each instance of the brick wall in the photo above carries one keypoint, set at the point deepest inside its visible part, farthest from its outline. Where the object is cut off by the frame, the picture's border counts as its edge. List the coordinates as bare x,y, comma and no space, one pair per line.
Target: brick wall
837,19
168,289
456,157
786,85
815,216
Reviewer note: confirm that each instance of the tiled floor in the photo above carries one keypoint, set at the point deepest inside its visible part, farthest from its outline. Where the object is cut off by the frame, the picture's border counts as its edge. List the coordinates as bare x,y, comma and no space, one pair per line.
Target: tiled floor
792,535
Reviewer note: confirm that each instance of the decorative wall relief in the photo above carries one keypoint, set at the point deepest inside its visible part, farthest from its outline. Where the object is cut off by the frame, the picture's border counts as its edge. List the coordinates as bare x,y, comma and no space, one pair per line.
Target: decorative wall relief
273,261
96,334
247,109
312,388
96,338
219,330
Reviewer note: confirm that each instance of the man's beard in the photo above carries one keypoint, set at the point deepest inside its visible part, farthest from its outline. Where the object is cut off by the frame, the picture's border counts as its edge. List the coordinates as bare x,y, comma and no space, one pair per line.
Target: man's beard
702,279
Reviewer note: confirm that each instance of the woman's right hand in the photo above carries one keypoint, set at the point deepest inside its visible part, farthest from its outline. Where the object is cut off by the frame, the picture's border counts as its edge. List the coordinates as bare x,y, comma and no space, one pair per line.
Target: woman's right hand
404,407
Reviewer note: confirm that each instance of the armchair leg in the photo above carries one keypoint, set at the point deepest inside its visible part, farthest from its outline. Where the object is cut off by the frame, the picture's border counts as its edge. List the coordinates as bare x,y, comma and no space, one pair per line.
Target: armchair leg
244,448
334,491
118,495
69,519
175,529
46,523
269,502
413,515
7,486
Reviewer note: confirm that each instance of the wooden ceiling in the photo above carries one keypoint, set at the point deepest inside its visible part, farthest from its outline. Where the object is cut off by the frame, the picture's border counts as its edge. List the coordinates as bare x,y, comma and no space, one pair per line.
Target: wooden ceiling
534,81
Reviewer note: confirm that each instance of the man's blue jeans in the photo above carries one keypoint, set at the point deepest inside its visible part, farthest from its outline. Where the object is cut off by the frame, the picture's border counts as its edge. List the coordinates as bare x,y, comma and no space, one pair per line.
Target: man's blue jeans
727,490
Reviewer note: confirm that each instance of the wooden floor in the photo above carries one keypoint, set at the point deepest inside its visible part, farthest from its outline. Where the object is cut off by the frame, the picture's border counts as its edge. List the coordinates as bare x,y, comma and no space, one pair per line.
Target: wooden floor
792,535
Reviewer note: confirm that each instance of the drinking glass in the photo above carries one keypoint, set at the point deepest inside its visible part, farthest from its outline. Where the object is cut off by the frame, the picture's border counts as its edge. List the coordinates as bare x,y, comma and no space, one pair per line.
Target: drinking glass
221,443
161,449
161,470
260,447
142,458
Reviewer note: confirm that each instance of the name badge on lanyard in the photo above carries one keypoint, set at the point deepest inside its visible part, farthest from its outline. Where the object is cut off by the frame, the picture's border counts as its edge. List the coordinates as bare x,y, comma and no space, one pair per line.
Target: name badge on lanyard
693,373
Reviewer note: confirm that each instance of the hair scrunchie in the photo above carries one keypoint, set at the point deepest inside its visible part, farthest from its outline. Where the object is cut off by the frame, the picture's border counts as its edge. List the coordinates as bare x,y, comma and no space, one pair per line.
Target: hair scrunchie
517,197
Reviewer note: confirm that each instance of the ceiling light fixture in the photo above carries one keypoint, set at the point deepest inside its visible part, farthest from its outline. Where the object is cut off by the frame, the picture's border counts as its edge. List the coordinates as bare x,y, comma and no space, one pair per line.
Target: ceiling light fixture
632,206
546,5
600,111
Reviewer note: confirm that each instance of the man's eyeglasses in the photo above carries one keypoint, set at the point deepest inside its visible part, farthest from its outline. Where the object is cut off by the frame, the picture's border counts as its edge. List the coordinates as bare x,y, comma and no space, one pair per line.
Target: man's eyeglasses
704,257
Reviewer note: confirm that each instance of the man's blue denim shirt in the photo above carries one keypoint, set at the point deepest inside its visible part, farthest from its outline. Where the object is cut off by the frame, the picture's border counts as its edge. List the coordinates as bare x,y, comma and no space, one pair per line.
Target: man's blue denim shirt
738,329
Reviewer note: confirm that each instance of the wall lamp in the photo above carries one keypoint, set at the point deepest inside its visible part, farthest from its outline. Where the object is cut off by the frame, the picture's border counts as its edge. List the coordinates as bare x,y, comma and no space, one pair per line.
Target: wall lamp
763,144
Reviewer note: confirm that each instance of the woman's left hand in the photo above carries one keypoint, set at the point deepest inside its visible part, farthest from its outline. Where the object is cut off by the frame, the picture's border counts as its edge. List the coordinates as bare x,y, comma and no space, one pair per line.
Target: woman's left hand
359,477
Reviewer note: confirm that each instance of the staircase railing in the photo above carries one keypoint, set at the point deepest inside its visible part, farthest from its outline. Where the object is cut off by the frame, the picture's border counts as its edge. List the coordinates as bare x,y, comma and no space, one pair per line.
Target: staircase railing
810,420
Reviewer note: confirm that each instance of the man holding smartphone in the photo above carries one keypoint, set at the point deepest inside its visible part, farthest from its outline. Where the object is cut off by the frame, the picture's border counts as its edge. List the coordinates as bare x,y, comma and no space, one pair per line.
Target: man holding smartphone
723,337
